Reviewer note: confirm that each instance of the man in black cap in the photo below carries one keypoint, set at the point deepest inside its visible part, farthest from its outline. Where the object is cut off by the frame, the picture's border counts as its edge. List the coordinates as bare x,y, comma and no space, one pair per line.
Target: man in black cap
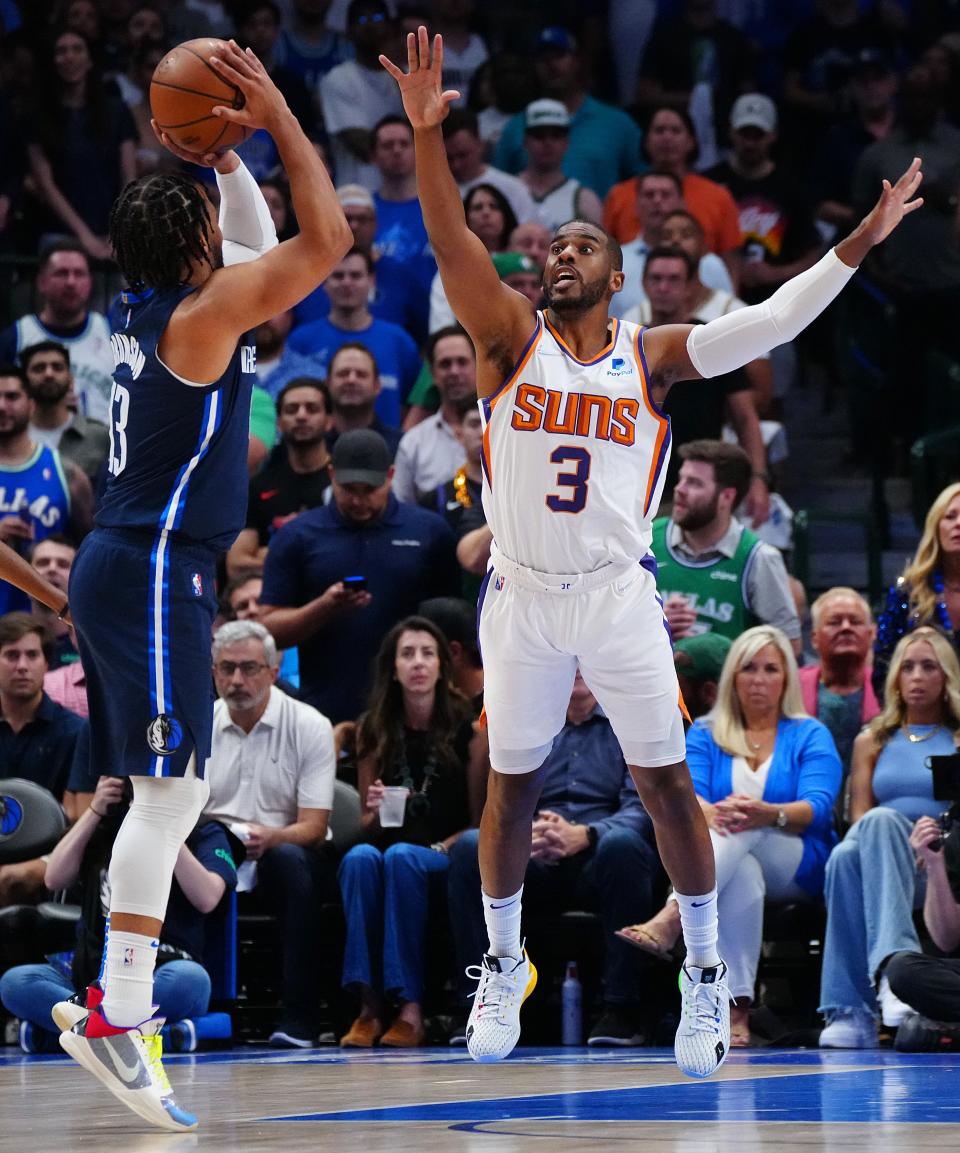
339,576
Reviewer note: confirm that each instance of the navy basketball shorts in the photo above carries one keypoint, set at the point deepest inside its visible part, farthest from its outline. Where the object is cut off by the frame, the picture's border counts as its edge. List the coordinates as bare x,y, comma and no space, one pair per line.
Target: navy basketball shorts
144,608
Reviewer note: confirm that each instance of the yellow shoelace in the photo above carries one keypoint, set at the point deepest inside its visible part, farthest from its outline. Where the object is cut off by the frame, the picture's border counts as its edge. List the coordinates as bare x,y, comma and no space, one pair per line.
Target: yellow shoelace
153,1047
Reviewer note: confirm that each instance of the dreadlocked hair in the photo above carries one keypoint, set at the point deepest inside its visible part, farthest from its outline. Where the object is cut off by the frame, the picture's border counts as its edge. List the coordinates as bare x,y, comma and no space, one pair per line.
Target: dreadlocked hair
158,226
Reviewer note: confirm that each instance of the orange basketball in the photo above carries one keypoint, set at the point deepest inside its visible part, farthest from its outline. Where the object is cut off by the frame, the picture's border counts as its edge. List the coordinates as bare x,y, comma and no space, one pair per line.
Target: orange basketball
184,90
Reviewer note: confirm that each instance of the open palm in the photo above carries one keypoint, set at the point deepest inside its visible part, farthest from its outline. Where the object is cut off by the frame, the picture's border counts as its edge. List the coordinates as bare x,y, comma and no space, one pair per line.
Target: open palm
895,203
421,87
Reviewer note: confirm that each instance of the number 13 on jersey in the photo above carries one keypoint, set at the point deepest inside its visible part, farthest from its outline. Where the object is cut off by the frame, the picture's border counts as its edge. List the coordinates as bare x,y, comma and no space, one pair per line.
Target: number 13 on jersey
576,481
119,415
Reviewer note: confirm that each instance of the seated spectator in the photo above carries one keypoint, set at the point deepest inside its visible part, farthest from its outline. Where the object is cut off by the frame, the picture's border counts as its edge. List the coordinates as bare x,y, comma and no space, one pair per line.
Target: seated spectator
604,140
712,571
294,477
353,384
259,24
670,145
240,601
79,440
928,590
349,287
457,620
466,156
397,296
306,45
271,772
837,690
432,451
699,661
557,197
401,553
37,737
872,881
532,240
53,559
593,848
659,194
415,735
354,95
767,777
82,146
490,217
930,986
277,363
181,986
64,285
708,298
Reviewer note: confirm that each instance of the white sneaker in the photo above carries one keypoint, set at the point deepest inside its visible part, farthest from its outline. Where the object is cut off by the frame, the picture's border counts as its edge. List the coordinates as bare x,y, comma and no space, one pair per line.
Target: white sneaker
129,1065
703,1038
849,1029
892,1009
493,1027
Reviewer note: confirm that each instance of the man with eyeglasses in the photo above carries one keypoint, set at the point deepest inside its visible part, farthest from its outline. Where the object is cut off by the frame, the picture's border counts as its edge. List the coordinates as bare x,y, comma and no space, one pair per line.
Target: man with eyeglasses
353,96
271,773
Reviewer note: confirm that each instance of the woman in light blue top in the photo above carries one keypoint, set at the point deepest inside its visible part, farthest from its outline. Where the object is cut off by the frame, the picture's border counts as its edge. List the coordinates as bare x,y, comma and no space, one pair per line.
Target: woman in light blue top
873,883
766,775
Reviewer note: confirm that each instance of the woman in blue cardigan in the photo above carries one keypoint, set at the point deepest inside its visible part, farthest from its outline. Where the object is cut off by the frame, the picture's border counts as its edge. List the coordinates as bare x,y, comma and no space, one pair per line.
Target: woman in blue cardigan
766,775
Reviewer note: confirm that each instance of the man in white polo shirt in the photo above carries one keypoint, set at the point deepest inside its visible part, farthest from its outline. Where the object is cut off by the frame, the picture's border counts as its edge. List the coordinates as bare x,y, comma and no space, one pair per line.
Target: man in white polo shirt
271,774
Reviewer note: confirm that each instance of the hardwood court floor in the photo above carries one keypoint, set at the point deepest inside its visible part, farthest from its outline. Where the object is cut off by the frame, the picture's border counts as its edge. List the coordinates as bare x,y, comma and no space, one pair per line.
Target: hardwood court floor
540,1101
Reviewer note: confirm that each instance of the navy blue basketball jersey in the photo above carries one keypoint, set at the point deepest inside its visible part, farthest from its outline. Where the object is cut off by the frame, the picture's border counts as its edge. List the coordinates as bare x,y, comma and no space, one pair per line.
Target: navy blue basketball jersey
178,452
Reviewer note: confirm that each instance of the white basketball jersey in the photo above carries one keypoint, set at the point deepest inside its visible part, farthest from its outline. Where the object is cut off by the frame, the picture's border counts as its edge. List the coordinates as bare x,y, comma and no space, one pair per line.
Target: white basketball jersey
91,360
575,455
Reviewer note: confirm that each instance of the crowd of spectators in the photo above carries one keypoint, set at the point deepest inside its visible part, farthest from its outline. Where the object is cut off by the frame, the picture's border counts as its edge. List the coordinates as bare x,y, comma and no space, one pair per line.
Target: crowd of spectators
724,151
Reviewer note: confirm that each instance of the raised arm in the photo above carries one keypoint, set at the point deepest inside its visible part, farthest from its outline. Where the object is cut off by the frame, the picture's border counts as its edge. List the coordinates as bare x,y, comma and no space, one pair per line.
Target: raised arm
684,352
498,319
203,332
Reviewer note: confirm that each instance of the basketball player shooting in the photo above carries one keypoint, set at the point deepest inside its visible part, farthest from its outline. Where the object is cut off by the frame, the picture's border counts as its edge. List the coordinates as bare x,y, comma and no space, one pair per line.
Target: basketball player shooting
142,586
575,451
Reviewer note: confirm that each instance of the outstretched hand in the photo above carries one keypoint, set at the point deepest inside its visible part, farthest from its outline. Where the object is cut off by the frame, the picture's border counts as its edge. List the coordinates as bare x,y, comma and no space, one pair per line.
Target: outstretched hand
421,87
895,203
264,103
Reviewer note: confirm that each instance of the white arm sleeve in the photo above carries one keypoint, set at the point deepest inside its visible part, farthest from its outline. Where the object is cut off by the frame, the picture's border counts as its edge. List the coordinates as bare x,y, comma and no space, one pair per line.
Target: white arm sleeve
245,221
734,340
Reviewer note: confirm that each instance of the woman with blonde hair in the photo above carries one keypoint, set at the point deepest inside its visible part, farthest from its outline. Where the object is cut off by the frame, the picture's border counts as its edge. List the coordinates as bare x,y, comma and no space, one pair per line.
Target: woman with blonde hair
766,775
872,882
928,590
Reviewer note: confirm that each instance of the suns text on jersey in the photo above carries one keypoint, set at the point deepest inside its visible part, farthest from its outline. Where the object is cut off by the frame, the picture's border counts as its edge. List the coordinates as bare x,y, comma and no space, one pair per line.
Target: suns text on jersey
575,413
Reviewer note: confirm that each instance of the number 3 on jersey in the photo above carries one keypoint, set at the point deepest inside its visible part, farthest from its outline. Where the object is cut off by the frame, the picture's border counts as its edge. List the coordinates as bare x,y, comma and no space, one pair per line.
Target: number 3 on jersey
119,414
576,481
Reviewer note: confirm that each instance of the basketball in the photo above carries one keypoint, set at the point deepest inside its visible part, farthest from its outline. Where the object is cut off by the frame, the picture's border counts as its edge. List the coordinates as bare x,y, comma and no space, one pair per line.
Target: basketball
184,90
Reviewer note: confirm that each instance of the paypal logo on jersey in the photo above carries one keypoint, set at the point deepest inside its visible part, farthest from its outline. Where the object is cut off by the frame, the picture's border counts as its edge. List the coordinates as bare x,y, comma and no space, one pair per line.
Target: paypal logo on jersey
126,350
619,367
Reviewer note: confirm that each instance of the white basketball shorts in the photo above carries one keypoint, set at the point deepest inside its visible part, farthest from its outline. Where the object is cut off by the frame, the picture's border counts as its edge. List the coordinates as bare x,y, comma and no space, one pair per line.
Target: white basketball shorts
535,629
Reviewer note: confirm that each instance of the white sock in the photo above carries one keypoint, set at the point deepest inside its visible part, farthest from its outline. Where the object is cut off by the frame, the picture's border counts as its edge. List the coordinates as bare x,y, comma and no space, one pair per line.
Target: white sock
502,915
128,995
698,918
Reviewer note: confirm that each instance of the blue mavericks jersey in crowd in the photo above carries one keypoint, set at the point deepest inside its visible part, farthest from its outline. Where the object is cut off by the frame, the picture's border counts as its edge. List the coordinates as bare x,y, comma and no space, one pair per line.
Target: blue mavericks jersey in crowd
38,493
178,452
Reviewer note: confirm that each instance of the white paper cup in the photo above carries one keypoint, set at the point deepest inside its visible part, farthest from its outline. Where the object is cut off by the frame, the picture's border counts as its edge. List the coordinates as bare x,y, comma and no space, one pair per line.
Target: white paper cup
393,806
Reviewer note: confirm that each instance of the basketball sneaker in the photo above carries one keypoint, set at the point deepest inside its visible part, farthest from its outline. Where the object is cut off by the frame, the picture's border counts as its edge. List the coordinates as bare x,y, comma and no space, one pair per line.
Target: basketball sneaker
703,1038
493,1027
128,1062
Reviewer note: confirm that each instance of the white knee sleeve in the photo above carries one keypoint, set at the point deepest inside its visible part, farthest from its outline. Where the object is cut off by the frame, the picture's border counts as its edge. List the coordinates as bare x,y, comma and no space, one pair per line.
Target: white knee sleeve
162,814
515,761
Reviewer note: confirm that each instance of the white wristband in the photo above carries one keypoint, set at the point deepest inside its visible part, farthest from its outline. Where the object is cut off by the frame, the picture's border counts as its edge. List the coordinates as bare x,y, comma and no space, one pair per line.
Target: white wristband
245,220
734,340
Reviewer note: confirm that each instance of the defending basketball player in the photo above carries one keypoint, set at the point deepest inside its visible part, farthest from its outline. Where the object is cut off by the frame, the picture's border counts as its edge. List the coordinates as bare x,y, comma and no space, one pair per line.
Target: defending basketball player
142,586
575,451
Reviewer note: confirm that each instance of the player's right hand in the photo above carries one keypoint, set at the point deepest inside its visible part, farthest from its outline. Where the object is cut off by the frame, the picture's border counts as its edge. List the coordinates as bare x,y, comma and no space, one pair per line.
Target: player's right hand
421,87
264,104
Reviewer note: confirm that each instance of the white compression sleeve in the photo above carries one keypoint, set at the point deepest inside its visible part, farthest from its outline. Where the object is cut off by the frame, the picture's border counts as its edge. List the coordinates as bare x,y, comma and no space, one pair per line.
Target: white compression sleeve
734,340
245,220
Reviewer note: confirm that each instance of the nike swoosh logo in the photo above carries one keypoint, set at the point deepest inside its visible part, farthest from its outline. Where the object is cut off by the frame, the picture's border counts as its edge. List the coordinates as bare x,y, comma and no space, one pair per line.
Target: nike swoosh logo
698,904
506,906
128,1073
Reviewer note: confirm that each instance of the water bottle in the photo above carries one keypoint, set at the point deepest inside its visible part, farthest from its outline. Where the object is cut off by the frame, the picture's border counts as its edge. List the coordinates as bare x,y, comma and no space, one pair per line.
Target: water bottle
571,1031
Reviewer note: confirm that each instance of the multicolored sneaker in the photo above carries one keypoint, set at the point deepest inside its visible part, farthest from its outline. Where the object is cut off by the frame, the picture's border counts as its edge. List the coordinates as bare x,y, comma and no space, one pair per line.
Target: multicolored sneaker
128,1063
703,1038
493,1027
